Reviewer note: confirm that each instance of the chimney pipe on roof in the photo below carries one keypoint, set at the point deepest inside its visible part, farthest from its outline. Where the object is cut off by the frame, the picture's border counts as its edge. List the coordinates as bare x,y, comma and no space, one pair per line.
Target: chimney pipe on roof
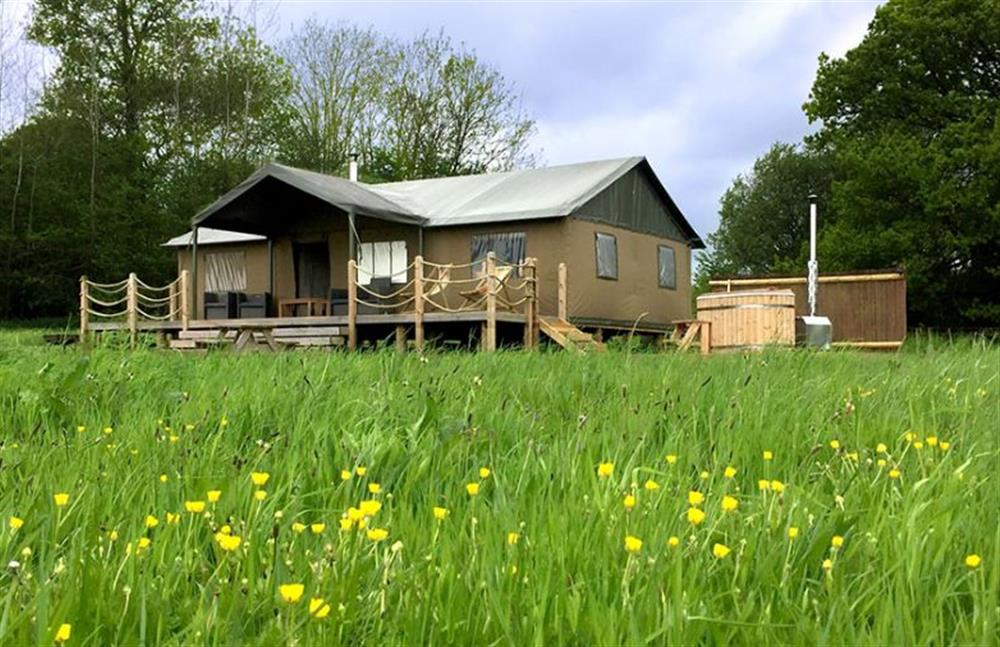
353,172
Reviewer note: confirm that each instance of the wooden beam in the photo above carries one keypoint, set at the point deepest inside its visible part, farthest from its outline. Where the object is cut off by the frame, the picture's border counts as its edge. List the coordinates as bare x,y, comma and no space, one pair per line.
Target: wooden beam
801,280
491,302
84,308
418,302
185,300
563,289
705,336
401,338
131,308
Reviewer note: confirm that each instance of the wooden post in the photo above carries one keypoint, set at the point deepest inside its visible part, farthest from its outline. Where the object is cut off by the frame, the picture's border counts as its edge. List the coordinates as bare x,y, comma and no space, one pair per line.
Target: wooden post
401,338
563,287
491,302
131,309
530,304
84,308
352,305
185,300
418,303
705,338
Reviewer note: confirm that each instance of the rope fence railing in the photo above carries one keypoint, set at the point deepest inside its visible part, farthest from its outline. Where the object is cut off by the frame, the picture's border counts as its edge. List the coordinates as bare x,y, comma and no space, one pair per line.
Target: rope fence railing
141,301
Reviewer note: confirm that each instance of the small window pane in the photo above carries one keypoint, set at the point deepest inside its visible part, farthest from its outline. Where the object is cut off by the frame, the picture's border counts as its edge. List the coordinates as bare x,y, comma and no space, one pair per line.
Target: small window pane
607,256
509,248
667,267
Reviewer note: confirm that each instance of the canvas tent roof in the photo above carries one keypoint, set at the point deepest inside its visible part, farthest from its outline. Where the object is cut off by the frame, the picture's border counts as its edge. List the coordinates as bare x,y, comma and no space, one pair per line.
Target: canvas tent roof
209,236
527,194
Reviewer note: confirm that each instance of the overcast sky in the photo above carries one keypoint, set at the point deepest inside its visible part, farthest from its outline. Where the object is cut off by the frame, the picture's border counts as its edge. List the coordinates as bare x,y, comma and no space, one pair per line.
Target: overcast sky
699,88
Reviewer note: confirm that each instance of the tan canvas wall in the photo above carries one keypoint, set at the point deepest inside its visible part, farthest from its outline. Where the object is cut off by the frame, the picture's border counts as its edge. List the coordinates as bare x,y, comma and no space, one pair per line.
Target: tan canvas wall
256,261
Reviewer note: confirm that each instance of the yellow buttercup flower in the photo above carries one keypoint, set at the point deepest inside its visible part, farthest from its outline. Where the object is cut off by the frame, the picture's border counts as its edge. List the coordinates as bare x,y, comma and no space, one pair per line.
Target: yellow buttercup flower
173,518
827,564
355,514
113,535
629,501
673,542
63,633
834,444
894,473
291,593
318,608
671,458
633,544
793,532
259,478
768,455
720,550
15,522
881,448
704,475
472,489
763,484
729,472
80,429
513,538
650,485
298,528
695,497
932,441
944,445
224,422
194,506
361,470
164,478
374,488
227,541
777,486
881,462
918,444
346,523
370,507
143,544
214,496
345,475
377,534
260,495
695,516
226,529
837,541
60,499
973,560
604,470
729,503
108,430
317,528
440,513
151,521
484,472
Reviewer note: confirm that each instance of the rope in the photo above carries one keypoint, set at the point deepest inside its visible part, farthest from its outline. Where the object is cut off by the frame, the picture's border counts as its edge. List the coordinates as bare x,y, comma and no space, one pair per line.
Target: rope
511,304
154,300
106,314
386,296
465,308
108,286
152,287
163,317
107,304
384,306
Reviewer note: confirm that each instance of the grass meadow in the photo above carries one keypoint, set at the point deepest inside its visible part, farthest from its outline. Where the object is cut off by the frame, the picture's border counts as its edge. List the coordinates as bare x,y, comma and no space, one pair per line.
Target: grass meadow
320,498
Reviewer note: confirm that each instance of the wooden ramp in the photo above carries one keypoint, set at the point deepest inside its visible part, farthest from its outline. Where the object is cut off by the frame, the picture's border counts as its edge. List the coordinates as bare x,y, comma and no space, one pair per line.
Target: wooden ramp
568,336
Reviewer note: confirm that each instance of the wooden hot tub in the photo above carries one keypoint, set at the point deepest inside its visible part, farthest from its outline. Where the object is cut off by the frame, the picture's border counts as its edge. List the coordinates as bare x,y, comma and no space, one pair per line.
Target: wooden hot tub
749,318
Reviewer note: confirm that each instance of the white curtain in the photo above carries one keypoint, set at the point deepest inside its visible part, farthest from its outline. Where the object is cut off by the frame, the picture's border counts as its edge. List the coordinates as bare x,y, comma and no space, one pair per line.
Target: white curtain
225,272
381,260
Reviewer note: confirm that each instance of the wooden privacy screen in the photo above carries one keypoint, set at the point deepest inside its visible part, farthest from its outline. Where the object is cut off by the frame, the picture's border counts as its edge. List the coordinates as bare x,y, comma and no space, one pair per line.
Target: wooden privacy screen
866,308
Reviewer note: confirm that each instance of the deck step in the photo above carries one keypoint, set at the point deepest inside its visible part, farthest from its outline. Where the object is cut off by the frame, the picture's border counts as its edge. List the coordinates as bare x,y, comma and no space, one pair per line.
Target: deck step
568,336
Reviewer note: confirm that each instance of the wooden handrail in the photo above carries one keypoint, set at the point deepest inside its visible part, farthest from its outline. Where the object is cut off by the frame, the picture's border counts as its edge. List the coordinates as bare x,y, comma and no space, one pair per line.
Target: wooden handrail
492,287
563,290
418,303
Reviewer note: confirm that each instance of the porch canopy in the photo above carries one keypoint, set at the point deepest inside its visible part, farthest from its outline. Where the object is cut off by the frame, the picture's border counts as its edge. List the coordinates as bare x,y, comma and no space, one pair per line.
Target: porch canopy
266,202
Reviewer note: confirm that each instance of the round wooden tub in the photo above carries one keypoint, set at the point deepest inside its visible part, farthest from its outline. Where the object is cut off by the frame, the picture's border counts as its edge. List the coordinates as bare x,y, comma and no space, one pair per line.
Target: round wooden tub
749,318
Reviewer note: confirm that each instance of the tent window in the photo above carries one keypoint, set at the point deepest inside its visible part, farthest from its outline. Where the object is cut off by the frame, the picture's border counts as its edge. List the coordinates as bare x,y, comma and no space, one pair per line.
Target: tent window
384,259
607,256
225,272
509,248
666,266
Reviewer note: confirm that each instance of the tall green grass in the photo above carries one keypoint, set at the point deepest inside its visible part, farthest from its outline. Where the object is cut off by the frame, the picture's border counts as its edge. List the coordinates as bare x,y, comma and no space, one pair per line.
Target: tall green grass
542,423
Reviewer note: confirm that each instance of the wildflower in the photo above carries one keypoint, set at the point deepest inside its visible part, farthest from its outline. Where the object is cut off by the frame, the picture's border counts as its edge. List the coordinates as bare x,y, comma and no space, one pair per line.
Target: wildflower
852,456
214,496
259,478
440,513
317,528
650,485
108,430
377,534
827,565
164,478
604,470
729,503
298,528
15,522
173,438
355,514
80,429
227,542
629,501
291,593
370,507
704,475
768,455
346,523
62,634
695,516
484,472
194,506
944,445
837,541
260,495
361,470
61,499
881,462
834,444
113,535
763,484
671,458
226,529
345,475
918,444
777,486
695,497
472,489
374,488
729,472
513,538
881,448
151,521
173,518
633,544
793,532
932,441
894,473
188,427
673,542
143,544
720,550
973,560
318,608
224,422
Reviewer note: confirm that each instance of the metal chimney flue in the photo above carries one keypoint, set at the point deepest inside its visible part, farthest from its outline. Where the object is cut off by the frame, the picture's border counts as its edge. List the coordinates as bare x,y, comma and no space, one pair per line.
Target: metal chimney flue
353,169
813,330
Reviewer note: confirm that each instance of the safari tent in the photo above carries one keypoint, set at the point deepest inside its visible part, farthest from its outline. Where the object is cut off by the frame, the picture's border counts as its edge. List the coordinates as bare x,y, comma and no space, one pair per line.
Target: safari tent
289,234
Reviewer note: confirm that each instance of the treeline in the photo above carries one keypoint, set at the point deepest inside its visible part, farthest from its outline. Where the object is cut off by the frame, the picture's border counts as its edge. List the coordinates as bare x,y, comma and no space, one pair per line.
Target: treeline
906,164
158,106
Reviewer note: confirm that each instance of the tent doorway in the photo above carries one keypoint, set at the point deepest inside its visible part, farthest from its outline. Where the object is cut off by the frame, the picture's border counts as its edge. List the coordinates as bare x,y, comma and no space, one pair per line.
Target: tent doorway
312,270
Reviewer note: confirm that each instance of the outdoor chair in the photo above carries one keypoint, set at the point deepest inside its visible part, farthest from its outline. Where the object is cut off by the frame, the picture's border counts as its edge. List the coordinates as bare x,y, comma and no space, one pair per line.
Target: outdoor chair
338,301
378,285
220,305
254,305
474,295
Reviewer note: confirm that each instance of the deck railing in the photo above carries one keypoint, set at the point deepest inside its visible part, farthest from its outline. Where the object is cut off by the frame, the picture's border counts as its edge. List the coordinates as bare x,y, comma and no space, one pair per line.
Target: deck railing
439,287
133,300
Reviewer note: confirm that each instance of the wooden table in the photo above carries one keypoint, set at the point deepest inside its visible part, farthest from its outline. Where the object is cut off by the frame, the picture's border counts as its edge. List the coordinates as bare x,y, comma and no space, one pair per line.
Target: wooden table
314,306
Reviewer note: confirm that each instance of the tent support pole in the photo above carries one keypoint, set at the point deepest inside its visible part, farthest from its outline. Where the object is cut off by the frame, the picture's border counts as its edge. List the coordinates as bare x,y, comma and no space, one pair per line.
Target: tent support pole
270,268
351,251
420,241
194,269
